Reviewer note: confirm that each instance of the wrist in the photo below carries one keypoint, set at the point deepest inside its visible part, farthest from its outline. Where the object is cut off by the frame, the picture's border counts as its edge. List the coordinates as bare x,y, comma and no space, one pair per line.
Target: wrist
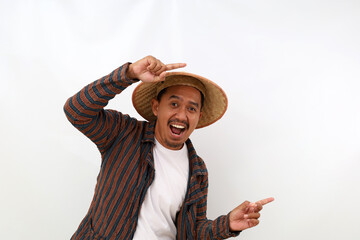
129,72
231,232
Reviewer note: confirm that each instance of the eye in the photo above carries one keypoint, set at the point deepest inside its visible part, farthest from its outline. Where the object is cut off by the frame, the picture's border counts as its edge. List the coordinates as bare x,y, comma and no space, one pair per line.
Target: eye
192,109
174,104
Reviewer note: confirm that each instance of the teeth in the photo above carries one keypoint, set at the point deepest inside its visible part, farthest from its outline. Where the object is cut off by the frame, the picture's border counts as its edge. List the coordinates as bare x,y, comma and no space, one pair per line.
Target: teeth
177,126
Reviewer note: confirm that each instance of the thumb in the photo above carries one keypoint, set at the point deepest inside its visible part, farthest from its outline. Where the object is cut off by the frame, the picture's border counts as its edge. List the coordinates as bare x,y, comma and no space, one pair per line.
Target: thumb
240,210
161,77
244,206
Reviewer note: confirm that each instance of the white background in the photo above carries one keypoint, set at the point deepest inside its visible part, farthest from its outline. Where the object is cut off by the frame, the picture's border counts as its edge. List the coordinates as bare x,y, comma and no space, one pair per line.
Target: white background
291,71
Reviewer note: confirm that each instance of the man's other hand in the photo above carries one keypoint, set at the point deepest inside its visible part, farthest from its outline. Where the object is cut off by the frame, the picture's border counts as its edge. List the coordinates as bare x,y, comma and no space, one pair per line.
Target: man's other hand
150,69
246,215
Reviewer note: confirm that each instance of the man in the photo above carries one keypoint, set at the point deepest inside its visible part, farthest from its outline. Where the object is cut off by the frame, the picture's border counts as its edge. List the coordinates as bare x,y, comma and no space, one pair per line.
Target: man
152,184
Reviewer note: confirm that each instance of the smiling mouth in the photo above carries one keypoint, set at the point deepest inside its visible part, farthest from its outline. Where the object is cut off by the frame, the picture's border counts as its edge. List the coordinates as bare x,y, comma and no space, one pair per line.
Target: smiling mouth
177,129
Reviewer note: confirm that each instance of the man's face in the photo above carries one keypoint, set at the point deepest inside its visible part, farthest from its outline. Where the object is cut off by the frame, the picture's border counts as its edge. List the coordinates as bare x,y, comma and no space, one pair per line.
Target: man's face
178,113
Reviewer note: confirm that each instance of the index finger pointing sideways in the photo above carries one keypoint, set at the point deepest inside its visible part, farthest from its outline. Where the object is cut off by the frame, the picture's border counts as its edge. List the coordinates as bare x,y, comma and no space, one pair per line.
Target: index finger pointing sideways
265,201
175,66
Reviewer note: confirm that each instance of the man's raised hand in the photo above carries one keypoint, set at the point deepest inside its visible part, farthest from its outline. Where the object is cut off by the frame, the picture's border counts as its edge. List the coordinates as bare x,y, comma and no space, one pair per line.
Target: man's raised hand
150,69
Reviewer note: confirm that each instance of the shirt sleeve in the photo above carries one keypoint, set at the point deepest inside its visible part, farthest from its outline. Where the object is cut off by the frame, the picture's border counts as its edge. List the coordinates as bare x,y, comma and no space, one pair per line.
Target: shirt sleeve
211,229
85,110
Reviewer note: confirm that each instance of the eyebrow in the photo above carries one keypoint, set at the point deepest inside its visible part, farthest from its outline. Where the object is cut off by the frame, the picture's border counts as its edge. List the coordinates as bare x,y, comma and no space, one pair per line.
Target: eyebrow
179,98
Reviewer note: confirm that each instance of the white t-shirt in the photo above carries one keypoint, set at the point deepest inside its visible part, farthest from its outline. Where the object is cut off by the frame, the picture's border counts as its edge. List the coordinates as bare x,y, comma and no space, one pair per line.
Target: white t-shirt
165,195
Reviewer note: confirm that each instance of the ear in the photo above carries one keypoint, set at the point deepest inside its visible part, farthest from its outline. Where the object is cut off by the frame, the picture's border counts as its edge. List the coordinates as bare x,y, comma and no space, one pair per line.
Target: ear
154,106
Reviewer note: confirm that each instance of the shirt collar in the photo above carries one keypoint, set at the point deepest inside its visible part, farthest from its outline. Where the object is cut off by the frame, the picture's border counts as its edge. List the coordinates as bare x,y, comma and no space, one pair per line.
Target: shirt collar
149,134
197,166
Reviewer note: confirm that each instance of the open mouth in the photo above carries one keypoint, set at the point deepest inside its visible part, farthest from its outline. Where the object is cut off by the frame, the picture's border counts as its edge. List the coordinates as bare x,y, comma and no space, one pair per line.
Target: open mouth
177,129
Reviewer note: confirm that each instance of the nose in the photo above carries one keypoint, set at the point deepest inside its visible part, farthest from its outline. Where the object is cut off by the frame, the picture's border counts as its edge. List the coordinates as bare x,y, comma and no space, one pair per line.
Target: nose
181,114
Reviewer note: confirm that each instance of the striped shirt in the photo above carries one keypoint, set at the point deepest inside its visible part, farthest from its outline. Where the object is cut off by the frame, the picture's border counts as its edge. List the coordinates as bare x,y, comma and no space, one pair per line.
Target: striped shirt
127,169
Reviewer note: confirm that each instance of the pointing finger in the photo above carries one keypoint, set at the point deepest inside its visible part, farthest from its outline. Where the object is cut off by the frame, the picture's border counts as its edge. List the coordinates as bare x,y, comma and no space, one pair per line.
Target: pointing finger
175,66
265,201
258,206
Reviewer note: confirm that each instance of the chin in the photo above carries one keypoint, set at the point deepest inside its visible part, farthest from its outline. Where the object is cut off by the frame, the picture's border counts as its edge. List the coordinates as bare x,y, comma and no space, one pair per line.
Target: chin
174,144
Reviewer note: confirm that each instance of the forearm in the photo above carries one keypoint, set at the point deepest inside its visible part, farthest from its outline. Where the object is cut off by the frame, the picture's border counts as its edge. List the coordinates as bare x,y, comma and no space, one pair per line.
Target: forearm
85,110
215,229
85,105
211,229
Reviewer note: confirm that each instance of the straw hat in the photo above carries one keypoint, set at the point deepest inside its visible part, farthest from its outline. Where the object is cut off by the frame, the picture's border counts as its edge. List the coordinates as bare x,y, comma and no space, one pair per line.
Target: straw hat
215,100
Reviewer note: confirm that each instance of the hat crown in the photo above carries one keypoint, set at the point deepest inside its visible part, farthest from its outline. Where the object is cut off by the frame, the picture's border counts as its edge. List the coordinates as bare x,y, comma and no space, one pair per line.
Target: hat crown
181,80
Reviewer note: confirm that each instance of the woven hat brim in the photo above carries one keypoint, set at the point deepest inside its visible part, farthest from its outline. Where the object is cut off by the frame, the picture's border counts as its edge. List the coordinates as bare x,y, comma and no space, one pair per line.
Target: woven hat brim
215,102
